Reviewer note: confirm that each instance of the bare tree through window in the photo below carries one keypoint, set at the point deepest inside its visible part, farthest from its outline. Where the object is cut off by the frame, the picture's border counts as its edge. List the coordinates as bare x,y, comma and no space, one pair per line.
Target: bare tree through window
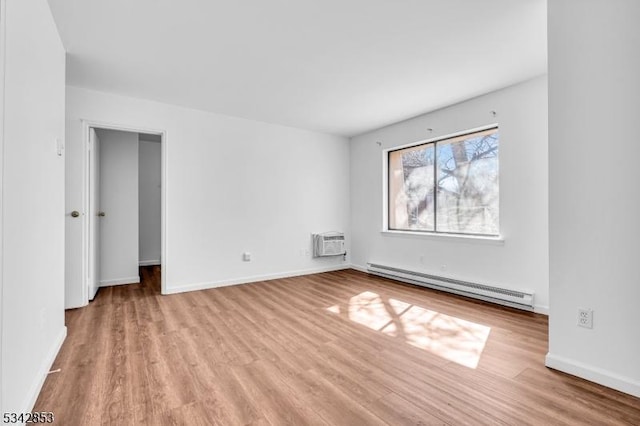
448,186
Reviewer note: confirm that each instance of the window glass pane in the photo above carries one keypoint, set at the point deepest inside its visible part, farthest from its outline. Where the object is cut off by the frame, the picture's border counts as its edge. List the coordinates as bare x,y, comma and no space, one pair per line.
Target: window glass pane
467,184
411,188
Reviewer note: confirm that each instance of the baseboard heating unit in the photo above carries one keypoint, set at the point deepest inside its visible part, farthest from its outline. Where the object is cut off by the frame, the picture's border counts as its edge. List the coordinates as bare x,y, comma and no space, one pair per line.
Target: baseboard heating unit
513,298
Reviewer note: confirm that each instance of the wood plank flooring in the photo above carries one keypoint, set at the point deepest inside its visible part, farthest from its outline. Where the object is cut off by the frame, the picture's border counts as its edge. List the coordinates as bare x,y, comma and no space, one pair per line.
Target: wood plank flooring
339,348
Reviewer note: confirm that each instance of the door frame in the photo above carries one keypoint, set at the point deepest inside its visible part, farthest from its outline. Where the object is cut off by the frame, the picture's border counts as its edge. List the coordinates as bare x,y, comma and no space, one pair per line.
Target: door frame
87,125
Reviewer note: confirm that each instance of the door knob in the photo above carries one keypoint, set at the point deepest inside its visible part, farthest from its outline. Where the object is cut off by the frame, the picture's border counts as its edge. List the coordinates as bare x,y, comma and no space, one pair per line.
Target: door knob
75,213
101,214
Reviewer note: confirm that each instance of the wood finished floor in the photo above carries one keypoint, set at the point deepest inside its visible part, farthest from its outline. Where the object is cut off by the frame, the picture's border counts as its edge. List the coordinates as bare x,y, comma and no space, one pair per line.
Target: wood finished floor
339,348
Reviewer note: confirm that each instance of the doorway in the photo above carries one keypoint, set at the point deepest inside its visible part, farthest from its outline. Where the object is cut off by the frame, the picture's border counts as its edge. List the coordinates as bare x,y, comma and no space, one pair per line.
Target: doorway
124,205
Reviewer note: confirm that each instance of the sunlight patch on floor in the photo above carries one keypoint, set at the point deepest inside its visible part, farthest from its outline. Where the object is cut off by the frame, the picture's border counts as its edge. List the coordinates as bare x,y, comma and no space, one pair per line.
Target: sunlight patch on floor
452,338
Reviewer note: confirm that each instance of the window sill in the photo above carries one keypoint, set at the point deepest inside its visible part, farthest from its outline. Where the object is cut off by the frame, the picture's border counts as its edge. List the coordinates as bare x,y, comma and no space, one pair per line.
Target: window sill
474,239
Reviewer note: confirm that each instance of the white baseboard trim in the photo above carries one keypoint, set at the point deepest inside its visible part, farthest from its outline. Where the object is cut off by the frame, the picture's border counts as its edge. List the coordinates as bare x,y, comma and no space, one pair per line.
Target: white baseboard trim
149,262
120,281
359,268
541,309
593,374
93,291
41,376
255,278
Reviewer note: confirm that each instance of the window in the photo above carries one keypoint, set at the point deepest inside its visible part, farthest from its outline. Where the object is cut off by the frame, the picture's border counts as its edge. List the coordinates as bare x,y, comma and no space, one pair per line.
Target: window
446,186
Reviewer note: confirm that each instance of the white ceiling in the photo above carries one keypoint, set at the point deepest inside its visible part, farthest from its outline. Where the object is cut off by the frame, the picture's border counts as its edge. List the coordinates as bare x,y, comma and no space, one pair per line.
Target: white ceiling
335,66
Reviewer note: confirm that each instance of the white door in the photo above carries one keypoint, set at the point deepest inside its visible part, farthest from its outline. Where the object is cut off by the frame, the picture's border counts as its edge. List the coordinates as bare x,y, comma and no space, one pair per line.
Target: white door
94,214
75,270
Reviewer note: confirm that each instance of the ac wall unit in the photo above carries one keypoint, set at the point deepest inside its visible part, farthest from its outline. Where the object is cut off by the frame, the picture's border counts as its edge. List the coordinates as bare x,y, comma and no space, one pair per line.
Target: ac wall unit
503,296
328,244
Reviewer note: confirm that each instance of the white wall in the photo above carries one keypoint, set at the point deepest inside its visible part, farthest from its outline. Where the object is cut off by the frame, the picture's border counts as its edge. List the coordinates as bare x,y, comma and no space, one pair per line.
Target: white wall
521,262
594,106
119,200
33,202
2,67
149,182
232,185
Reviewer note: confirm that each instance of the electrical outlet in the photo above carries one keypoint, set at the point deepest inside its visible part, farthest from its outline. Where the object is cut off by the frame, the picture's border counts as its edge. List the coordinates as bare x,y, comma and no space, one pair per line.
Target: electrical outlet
585,318
246,256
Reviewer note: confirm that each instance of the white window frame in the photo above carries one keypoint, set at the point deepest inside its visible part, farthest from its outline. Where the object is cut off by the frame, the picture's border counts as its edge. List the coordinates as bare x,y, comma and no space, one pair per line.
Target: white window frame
499,239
